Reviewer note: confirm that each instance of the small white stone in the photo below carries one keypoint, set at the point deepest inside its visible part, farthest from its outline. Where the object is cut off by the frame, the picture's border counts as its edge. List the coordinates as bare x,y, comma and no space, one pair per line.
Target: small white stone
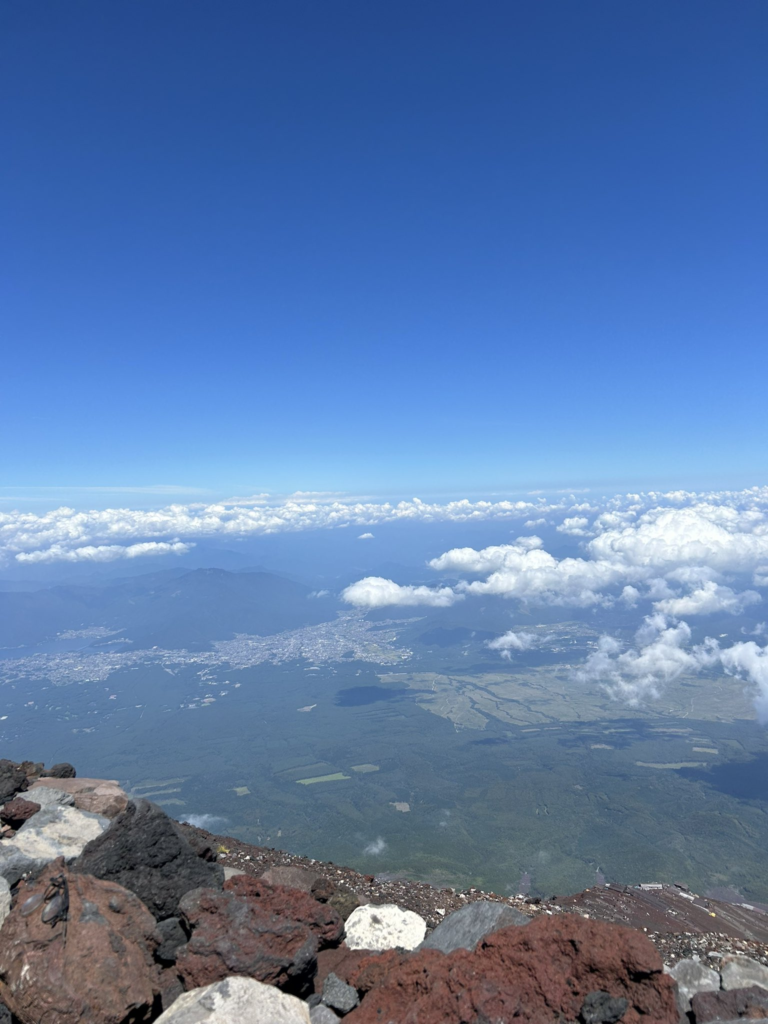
384,927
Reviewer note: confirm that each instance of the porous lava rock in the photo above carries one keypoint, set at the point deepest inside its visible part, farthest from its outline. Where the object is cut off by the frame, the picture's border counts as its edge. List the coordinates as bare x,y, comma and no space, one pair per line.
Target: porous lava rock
291,877
741,1003
96,966
321,919
15,812
234,935
384,926
541,973
13,779
145,852
63,770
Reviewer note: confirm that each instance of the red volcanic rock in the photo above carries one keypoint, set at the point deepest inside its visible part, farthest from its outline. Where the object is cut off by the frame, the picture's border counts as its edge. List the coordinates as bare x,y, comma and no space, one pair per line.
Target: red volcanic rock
747,1003
97,967
234,935
341,961
293,904
540,973
17,811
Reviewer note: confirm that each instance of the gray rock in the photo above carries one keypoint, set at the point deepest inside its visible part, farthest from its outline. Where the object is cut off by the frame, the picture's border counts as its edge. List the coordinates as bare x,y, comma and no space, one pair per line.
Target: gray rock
63,770
5,899
236,1000
323,1015
466,927
55,831
13,779
339,995
603,1008
742,972
692,977
47,796
384,927
144,851
173,937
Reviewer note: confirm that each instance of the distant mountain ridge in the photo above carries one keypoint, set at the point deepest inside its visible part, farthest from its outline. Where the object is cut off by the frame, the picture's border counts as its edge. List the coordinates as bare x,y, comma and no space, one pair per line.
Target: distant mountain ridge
165,609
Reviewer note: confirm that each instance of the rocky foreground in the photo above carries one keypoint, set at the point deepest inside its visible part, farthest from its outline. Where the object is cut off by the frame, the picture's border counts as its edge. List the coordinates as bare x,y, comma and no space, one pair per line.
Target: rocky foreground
113,913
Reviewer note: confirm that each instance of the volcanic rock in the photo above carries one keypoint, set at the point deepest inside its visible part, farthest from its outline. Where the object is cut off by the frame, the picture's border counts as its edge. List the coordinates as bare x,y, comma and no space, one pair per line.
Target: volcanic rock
101,796
13,779
384,927
540,973
63,770
692,977
293,904
144,851
750,1003
466,927
236,1001
15,812
339,995
339,896
172,938
96,966
235,935
742,972
49,795
602,1008
322,1014
53,832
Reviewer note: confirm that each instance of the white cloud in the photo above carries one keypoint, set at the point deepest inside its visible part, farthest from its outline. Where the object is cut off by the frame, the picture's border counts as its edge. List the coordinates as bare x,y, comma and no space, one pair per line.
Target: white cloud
723,537
103,552
575,526
639,673
708,599
531,524
747,659
378,846
365,536
52,536
629,596
377,592
513,641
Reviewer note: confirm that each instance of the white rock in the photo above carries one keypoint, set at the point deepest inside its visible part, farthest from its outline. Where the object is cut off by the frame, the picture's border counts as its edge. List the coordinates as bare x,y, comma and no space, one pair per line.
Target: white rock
5,900
384,927
53,832
692,977
236,1000
232,872
741,972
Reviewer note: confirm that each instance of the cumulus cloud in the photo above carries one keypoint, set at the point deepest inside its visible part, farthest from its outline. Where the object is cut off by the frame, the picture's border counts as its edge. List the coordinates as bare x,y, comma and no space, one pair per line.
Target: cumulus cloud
708,599
377,847
365,536
377,592
575,526
662,653
53,536
660,656
748,660
513,641
102,552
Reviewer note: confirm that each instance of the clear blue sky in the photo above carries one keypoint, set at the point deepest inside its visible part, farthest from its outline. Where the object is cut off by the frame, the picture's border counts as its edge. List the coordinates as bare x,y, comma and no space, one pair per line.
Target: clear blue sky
383,247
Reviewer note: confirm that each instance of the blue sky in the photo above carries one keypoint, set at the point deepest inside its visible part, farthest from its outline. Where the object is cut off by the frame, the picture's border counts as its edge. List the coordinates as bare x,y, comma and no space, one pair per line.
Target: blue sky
381,248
